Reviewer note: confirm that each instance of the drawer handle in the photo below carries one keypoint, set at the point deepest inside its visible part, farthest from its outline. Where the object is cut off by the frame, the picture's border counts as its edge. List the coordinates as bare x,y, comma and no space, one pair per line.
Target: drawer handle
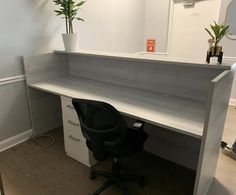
73,138
72,123
69,106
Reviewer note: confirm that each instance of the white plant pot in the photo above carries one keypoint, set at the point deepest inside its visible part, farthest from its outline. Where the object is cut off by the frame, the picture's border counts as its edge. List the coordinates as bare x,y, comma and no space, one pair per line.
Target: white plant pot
70,41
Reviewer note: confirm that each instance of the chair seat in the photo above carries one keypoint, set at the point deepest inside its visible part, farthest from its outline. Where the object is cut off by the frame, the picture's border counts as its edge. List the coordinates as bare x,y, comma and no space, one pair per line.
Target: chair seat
133,144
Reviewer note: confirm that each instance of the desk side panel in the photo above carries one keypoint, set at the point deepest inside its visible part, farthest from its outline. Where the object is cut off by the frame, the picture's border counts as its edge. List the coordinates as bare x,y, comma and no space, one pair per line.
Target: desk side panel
45,111
217,107
45,66
182,81
45,107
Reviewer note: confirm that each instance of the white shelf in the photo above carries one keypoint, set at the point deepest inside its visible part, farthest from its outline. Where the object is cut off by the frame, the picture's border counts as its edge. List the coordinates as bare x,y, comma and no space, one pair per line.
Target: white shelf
177,114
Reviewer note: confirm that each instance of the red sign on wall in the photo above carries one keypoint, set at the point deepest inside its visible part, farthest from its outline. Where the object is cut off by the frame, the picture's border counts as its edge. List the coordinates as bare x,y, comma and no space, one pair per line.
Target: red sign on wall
151,45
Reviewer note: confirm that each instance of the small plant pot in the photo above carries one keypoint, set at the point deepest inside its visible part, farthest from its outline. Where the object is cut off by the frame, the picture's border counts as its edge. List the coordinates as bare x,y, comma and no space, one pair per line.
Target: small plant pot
216,50
70,41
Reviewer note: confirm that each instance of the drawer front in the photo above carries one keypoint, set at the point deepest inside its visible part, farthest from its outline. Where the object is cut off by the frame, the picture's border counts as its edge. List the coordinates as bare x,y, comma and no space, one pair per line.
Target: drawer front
73,124
76,147
70,118
67,107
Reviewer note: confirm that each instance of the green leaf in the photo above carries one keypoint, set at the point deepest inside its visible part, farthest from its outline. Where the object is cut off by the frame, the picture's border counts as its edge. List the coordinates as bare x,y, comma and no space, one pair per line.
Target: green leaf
223,32
69,9
80,19
219,30
80,3
210,33
59,12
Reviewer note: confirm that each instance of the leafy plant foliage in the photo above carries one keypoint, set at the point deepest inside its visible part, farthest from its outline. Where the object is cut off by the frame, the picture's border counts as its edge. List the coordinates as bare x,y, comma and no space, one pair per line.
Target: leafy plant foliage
218,32
68,9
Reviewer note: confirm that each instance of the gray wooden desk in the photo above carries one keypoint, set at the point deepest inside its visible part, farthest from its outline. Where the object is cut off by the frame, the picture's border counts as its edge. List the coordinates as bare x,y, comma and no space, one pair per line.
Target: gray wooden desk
187,98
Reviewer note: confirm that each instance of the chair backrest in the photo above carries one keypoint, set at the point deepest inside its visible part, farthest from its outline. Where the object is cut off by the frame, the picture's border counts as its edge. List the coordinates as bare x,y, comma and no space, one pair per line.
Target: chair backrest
101,124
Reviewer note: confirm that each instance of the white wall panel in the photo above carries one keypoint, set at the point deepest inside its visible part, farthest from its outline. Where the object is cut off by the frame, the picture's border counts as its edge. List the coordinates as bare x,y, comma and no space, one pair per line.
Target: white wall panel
14,112
111,25
26,27
157,22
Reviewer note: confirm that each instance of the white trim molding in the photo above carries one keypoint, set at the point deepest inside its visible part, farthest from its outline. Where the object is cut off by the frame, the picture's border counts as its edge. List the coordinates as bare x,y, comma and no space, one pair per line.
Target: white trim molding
170,27
13,79
15,140
233,59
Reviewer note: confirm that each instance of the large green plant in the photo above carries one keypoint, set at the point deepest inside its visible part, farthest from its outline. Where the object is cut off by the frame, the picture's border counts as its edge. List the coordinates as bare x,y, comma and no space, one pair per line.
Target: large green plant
68,9
218,32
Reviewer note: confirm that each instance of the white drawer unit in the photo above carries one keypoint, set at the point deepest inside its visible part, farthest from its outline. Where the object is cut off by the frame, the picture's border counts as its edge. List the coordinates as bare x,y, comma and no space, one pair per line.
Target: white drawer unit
67,107
72,123
76,148
75,143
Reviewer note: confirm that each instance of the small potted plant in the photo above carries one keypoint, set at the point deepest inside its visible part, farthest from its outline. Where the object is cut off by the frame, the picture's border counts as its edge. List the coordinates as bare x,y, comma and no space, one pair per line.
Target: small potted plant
218,32
68,9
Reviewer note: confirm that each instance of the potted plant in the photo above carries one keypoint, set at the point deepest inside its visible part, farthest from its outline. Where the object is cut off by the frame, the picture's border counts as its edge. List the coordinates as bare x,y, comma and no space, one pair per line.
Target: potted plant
218,32
68,9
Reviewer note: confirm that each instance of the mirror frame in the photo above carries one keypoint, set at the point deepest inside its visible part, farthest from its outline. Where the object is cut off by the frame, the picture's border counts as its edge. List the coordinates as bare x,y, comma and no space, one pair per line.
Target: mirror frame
231,37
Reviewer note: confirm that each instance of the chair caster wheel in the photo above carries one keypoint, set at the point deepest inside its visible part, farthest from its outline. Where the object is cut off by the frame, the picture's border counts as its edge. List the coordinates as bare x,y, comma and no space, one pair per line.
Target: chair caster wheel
92,176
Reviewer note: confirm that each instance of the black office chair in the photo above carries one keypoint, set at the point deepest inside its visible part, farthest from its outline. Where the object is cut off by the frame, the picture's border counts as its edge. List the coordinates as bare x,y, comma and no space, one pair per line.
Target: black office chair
107,135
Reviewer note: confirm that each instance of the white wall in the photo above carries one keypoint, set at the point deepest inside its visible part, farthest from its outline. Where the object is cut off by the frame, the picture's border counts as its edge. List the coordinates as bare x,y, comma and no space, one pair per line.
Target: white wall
157,22
189,39
230,17
27,27
112,25
123,26
229,45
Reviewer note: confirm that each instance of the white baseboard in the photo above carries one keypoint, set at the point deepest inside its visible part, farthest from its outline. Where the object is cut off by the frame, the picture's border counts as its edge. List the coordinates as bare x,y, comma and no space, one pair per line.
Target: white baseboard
232,102
17,139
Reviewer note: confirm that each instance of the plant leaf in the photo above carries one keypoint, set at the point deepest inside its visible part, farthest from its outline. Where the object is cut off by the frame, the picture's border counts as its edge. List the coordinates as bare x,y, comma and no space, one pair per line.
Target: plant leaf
219,30
80,19
69,9
209,32
80,3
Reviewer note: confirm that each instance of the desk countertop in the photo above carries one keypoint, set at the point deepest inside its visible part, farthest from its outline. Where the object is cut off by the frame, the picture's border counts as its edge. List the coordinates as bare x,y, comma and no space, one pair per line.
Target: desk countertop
177,114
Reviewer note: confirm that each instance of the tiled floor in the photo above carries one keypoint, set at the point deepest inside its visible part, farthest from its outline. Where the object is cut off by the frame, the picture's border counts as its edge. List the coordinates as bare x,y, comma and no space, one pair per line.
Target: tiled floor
225,182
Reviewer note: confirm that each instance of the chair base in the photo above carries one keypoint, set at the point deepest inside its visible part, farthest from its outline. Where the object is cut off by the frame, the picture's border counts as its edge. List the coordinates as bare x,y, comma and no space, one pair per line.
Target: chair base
115,178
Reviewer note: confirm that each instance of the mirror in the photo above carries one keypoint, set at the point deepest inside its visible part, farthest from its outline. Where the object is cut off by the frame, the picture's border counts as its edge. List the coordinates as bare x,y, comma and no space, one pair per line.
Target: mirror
230,20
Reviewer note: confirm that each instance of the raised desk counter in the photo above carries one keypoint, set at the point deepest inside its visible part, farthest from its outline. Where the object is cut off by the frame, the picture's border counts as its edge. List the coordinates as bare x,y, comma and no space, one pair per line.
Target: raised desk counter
226,65
184,102
150,58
